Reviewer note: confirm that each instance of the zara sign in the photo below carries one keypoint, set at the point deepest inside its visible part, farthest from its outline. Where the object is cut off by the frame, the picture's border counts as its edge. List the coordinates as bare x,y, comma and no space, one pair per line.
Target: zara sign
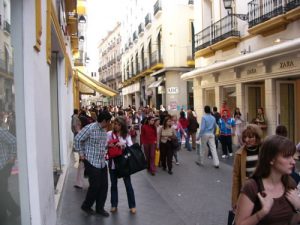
172,90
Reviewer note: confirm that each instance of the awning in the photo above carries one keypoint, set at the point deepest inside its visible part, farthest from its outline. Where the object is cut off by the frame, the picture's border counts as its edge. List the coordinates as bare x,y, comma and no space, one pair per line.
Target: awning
155,84
262,54
95,85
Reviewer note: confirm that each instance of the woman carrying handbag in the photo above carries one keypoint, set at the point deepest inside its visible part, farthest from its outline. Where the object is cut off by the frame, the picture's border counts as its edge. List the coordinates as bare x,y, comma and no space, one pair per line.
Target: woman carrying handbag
120,132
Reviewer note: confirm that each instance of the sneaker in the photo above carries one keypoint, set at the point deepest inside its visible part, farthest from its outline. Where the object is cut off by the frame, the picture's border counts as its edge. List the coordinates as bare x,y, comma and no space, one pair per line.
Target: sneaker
217,167
170,172
209,157
77,187
198,163
230,154
224,156
177,163
102,213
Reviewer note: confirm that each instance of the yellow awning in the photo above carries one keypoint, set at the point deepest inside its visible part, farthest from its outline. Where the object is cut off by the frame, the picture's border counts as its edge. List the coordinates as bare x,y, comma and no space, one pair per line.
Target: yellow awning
95,85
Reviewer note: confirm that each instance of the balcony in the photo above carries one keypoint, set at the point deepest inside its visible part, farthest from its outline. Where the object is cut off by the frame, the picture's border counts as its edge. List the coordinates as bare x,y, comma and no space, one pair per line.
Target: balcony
6,27
141,29
130,44
148,21
157,8
191,2
222,35
110,77
118,75
292,10
266,17
156,61
134,36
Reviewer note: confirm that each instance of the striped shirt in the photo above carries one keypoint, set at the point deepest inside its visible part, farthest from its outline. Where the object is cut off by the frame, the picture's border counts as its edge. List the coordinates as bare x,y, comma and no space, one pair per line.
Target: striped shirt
91,143
251,160
8,147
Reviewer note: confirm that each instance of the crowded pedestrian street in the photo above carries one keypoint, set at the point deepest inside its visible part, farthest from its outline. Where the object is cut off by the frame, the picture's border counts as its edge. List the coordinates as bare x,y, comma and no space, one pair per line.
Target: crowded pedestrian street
193,195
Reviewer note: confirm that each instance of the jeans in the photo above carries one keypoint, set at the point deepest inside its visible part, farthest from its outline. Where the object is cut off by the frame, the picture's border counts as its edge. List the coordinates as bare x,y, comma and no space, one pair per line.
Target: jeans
210,139
149,150
166,155
226,142
97,191
114,190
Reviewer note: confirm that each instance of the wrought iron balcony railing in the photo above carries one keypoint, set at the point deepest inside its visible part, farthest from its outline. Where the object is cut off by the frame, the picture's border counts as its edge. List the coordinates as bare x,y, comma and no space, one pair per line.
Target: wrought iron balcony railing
222,29
155,58
134,36
157,7
141,28
191,2
148,19
262,10
6,26
292,4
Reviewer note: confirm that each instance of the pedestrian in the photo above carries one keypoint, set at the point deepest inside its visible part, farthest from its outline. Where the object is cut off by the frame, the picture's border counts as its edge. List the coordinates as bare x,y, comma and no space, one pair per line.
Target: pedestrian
192,127
217,116
166,151
245,160
207,135
281,130
239,123
179,130
91,144
227,129
269,197
184,123
75,127
149,142
260,119
120,132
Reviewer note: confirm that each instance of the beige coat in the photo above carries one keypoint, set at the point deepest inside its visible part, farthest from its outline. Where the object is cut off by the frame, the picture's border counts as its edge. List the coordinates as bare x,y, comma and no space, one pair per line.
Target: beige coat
238,174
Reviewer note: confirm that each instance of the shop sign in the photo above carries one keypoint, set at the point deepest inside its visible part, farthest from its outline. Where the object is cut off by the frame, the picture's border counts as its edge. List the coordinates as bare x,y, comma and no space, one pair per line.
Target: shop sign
172,90
286,64
173,105
251,71
161,90
149,92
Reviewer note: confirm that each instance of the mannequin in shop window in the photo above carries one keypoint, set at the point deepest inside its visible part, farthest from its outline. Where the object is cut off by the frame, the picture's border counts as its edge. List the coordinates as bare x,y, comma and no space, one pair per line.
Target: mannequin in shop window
260,119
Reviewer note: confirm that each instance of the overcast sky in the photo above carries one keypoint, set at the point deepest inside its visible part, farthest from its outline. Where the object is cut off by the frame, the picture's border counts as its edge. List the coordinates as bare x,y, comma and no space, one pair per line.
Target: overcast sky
102,17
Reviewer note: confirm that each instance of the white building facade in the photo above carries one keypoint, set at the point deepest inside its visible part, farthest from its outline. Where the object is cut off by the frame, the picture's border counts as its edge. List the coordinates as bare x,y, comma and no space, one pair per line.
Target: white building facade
110,55
157,46
38,40
248,55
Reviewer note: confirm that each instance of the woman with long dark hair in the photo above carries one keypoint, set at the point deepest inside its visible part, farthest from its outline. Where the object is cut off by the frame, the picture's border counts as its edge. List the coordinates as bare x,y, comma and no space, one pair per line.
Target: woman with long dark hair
120,132
268,197
166,151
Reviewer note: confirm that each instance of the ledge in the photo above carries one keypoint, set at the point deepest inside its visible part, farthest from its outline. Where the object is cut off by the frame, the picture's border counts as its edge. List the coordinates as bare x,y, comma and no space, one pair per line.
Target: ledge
293,14
157,66
226,44
190,62
205,52
270,26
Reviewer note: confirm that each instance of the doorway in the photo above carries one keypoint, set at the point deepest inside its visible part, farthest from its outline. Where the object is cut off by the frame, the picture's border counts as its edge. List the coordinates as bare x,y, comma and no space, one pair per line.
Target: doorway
285,99
254,99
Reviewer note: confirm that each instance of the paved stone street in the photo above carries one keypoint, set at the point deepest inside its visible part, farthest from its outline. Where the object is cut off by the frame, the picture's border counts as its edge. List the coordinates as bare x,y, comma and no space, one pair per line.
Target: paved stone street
193,195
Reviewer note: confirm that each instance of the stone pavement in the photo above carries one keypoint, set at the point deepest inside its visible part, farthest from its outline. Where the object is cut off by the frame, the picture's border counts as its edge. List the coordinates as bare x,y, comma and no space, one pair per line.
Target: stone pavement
193,195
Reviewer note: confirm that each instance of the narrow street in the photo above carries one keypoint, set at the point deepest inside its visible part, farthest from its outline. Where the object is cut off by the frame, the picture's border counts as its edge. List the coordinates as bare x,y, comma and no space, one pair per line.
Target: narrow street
193,195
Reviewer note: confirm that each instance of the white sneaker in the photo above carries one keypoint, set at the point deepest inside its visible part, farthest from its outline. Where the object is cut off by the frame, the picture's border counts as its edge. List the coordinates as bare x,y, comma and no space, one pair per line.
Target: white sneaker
230,154
209,157
177,163
224,156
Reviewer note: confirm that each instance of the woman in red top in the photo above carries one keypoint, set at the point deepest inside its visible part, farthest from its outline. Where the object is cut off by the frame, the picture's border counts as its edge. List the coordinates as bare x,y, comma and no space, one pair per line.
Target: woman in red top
149,140
184,124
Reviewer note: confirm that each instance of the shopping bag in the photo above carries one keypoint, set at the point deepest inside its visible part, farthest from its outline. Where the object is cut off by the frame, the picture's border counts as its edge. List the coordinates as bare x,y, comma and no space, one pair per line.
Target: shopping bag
131,161
157,157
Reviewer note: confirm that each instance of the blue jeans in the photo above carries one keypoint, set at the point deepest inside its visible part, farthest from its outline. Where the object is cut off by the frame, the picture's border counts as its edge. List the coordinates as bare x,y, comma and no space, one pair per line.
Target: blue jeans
187,140
114,190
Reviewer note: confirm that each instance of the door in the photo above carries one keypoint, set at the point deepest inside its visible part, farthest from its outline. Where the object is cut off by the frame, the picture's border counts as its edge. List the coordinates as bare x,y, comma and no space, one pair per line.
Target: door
285,99
254,98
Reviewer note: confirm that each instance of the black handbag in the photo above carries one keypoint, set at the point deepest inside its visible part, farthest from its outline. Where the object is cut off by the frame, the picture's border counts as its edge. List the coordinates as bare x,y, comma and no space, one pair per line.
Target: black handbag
230,220
175,144
131,161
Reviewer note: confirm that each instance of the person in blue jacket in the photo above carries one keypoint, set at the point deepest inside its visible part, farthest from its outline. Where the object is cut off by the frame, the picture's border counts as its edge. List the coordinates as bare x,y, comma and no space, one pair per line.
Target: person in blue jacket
227,130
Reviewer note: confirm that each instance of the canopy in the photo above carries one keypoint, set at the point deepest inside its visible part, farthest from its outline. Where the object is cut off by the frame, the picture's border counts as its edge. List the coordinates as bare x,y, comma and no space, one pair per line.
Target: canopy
95,85
156,83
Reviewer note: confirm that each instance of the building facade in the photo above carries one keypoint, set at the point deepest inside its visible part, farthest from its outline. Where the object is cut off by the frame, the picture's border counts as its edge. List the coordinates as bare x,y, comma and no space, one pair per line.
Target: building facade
110,55
38,42
156,51
242,57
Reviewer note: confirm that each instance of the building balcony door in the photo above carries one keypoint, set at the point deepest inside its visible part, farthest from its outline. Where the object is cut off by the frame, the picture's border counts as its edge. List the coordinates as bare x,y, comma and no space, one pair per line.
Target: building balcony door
286,105
254,98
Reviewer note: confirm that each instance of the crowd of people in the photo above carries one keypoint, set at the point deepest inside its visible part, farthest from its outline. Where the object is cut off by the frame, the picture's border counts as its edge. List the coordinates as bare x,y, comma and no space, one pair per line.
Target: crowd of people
264,180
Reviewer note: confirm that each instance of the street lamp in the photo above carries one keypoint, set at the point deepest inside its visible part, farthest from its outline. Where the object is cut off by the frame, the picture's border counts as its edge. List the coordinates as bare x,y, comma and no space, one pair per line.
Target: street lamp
228,5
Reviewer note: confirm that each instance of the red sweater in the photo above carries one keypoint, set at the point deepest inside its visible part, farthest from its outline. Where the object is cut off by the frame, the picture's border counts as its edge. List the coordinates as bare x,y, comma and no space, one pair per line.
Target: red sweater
148,134
184,122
